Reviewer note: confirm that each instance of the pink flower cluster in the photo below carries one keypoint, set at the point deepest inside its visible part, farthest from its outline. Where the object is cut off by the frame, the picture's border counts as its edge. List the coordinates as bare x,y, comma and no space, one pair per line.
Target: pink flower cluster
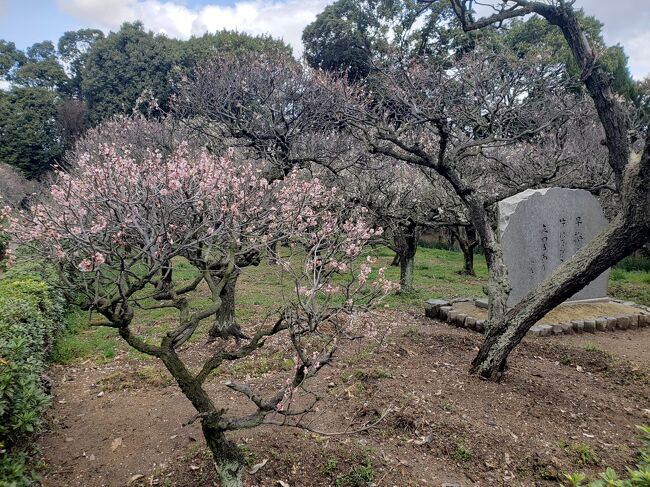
5,212
92,263
112,203
114,211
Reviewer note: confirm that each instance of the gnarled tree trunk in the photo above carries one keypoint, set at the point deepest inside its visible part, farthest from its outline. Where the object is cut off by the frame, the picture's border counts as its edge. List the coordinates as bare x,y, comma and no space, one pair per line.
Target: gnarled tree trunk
406,246
498,286
406,267
467,242
228,458
225,325
273,252
468,261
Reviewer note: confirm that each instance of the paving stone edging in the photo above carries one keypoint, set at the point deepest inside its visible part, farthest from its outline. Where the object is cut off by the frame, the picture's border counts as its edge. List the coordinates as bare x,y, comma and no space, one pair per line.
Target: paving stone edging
439,309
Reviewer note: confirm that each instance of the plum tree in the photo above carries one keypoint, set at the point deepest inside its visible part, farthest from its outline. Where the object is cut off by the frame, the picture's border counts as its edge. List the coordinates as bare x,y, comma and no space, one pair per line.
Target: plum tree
117,226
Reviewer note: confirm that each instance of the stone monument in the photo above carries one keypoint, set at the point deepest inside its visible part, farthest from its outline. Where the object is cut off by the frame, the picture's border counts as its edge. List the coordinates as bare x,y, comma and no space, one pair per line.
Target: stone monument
542,228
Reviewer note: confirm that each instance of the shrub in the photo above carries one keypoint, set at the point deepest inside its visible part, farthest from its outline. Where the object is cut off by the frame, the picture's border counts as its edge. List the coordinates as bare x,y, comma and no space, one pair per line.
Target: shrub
617,274
31,315
635,263
14,471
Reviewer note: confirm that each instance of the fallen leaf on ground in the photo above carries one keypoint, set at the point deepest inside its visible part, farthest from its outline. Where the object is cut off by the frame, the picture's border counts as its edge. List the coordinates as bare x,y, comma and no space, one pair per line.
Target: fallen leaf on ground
135,477
257,466
117,442
423,440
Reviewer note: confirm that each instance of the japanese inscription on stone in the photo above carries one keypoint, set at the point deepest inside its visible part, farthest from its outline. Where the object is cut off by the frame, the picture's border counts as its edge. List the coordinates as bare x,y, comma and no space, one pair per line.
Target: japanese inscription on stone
540,229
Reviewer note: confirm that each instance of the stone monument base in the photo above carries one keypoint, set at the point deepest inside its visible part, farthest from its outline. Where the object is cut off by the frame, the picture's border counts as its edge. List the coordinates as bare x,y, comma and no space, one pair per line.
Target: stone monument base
587,316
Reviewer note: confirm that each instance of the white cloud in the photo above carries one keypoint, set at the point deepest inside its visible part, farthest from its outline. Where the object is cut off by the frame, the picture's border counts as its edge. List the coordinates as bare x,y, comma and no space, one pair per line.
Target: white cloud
104,14
626,22
638,50
282,19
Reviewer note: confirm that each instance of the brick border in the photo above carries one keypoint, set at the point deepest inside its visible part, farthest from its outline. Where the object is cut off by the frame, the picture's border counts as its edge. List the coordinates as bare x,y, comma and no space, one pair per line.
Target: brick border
439,309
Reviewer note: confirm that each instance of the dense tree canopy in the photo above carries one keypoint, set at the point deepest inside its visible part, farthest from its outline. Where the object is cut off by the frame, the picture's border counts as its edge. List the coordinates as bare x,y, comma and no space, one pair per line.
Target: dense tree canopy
344,36
29,137
535,34
120,67
88,77
73,48
123,65
351,36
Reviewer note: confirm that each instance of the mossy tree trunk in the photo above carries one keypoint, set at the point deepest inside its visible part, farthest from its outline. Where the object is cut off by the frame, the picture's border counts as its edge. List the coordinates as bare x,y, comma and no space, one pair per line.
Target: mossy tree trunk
229,459
225,325
407,266
498,287
273,252
405,246
466,238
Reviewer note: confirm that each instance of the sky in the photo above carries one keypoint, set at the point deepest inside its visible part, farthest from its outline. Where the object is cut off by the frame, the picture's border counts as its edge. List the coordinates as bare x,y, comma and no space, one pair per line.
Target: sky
27,21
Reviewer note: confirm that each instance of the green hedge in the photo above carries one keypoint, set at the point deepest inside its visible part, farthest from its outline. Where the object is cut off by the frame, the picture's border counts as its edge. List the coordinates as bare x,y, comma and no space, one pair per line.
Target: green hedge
31,315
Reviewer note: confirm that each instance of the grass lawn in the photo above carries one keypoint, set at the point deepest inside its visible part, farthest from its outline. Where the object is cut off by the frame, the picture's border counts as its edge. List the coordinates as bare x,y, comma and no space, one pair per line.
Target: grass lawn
259,293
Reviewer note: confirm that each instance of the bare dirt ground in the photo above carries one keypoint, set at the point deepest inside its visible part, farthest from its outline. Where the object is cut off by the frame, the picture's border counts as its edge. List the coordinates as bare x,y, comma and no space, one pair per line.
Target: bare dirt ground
568,404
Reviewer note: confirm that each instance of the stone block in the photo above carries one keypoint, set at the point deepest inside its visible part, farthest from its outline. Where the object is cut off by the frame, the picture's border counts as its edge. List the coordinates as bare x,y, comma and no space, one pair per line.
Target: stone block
590,326
644,320
430,311
535,330
578,326
451,317
567,328
432,307
611,323
481,303
546,329
460,320
470,323
634,322
557,329
601,324
443,312
480,326
622,322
